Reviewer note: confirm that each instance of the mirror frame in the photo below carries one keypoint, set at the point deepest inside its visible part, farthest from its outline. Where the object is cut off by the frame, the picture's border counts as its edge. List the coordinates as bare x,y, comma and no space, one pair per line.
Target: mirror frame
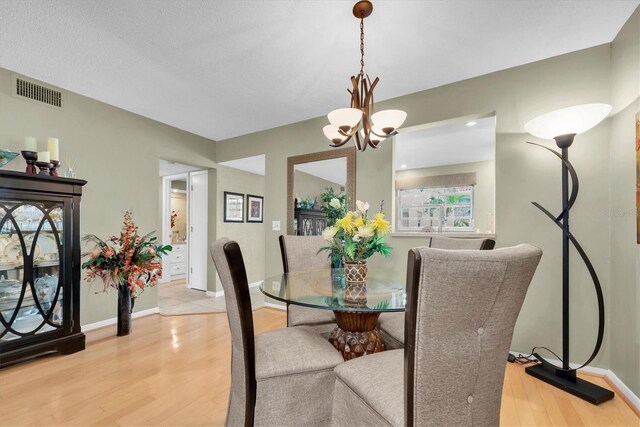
350,187
437,123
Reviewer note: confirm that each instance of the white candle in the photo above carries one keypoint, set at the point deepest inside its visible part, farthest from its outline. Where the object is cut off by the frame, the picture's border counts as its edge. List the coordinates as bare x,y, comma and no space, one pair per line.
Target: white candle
43,156
30,143
53,148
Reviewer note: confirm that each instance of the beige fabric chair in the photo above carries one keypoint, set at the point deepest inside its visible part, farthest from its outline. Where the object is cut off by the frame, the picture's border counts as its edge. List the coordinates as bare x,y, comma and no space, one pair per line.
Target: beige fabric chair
300,253
280,378
391,325
462,308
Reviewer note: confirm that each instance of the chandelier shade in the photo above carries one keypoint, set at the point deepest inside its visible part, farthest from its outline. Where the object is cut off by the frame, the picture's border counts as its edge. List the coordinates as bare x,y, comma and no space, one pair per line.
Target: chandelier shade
333,134
566,121
358,121
388,120
345,119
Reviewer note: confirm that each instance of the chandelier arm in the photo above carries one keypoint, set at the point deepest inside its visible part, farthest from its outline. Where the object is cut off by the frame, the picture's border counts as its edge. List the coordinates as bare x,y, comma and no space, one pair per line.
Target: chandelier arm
358,142
348,134
355,95
339,144
368,101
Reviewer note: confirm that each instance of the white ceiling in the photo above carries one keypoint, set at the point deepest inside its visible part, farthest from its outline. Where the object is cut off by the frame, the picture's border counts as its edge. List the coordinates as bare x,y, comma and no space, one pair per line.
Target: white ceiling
333,170
225,68
448,144
254,164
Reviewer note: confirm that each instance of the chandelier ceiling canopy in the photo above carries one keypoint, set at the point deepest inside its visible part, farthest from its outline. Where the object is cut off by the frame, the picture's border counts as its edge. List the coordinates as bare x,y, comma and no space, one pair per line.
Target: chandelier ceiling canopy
359,120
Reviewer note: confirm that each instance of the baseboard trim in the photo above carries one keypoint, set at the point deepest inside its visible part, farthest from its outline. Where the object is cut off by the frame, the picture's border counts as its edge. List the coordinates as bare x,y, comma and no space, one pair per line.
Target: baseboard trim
623,391
114,320
276,306
217,294
609,376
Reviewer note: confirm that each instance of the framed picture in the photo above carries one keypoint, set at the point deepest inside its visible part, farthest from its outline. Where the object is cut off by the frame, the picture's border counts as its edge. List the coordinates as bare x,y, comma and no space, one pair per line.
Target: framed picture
233,207
255,208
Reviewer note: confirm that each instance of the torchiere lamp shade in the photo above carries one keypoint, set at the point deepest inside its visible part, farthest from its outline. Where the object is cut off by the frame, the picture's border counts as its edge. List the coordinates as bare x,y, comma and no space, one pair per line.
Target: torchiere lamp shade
570,120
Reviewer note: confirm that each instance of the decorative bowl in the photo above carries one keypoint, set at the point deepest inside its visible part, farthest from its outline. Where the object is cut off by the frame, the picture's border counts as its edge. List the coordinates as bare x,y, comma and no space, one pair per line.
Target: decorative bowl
6,156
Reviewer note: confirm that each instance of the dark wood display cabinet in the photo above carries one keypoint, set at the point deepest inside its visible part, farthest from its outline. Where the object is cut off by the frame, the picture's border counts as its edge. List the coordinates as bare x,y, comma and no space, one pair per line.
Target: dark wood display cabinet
39,266
310,222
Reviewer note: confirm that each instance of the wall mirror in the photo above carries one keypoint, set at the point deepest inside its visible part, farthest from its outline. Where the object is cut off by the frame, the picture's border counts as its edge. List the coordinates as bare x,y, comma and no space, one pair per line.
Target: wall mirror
308,176
444,177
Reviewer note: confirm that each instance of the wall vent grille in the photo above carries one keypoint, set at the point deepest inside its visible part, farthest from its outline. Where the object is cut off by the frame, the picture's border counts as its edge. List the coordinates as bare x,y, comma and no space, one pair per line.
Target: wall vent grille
37,92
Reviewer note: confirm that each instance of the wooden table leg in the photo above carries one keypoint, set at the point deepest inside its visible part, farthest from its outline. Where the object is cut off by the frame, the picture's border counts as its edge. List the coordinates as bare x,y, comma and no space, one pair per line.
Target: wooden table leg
356,334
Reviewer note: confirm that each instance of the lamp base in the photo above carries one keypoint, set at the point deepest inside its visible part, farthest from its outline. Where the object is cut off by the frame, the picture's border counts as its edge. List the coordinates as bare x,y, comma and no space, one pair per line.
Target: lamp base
578,387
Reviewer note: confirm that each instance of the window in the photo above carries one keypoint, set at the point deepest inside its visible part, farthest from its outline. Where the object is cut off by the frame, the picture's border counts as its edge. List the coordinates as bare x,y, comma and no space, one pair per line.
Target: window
435,209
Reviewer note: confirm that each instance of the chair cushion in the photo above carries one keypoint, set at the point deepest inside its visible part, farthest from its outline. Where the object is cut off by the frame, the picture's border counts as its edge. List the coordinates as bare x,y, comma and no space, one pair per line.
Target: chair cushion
293,351
378,380
299,315
392,327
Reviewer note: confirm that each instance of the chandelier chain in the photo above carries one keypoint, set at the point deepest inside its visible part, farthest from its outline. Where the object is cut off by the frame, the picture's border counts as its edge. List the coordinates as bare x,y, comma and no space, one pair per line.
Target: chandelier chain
362,47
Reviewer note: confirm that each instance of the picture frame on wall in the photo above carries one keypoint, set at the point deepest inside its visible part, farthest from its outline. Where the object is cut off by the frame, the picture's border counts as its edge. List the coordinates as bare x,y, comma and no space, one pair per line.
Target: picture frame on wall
233,207
255,208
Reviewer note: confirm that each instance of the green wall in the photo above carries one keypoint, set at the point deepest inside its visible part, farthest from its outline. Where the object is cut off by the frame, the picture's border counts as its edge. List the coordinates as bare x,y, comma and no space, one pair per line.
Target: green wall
523,173
306,185
623,310
117,152
249,235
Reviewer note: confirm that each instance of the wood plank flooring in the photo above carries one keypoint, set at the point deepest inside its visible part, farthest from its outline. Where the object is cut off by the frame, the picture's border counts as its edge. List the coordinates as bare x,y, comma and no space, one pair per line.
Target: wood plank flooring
174,371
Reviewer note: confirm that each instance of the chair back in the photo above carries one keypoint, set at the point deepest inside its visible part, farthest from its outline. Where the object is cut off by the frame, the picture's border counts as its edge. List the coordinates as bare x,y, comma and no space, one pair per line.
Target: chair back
441,242
229,263
300,253
461,310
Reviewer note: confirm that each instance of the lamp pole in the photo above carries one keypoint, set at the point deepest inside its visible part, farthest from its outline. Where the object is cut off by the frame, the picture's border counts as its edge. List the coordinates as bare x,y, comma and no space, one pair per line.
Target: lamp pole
565,378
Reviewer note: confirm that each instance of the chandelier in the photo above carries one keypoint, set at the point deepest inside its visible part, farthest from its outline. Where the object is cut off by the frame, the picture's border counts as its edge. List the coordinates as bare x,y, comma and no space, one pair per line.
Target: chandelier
345,122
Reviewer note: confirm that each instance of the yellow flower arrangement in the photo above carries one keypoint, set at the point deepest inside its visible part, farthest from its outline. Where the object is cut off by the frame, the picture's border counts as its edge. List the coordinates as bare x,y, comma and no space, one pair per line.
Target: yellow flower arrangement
355,237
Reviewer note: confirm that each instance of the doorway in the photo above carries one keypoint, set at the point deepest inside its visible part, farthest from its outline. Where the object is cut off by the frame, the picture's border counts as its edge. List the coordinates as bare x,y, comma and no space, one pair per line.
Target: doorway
184,227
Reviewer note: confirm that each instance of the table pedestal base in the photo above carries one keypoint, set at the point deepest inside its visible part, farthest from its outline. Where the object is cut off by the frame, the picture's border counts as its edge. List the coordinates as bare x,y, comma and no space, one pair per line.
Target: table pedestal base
356,334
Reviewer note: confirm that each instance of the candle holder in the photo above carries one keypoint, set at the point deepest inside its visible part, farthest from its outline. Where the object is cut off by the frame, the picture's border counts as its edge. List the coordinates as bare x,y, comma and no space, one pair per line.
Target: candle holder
53,170
44,167
30,157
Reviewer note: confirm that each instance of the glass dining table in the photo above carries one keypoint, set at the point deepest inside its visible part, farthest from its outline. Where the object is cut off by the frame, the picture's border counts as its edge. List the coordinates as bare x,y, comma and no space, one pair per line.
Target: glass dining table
356,306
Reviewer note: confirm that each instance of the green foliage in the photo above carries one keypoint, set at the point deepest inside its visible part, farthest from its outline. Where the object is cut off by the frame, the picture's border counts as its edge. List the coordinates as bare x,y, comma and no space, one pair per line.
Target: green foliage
333,212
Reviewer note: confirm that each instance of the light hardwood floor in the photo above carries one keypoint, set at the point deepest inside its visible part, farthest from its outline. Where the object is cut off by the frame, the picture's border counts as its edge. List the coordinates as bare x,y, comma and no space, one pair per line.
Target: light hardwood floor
174,371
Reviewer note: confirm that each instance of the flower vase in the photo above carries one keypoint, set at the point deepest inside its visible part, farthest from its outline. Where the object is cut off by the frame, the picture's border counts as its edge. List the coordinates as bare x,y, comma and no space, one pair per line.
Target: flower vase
125,306
356,282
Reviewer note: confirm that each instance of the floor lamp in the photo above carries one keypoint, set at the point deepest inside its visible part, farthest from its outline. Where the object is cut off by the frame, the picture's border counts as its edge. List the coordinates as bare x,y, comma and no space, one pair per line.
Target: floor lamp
562,126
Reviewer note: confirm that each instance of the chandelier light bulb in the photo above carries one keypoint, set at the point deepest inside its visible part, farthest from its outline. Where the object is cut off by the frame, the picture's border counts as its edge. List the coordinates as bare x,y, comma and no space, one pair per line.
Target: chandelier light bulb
345,118
570,120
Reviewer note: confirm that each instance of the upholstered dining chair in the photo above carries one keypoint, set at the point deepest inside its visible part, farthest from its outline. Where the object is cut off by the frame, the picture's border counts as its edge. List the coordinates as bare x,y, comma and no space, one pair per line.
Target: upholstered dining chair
461,310
300,253
281,378
391,325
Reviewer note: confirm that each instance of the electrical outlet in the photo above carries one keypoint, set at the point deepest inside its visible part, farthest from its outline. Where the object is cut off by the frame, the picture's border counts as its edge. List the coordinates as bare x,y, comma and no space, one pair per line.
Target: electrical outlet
275,225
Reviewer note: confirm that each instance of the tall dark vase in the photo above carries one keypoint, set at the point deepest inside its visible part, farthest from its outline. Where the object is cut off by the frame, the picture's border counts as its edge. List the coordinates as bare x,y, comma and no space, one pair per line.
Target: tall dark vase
125,306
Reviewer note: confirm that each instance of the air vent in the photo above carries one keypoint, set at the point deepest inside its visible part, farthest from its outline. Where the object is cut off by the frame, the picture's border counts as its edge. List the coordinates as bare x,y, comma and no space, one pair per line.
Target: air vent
37,92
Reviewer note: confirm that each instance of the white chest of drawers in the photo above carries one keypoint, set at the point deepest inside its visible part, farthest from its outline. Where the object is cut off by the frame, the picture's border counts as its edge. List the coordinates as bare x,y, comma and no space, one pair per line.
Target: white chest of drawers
178,261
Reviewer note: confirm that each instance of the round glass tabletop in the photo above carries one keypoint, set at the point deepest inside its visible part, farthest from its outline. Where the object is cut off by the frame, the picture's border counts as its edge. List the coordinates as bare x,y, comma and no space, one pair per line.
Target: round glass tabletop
327,289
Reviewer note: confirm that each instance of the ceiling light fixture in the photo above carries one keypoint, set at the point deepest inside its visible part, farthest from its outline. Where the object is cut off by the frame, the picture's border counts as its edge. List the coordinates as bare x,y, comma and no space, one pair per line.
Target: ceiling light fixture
472,123
345,122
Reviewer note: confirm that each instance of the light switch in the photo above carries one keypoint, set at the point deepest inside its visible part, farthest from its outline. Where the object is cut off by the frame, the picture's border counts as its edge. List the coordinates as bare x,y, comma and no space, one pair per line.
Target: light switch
275,225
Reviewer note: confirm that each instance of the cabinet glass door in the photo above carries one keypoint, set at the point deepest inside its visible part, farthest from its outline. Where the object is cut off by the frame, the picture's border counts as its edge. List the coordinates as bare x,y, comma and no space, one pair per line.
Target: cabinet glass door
31,286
